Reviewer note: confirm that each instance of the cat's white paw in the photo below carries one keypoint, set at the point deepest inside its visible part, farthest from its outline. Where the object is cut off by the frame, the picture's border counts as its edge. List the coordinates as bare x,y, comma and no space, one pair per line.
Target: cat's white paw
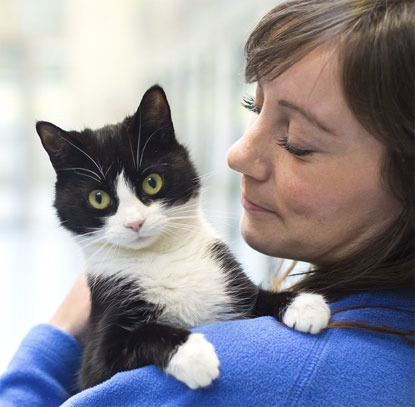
195,363
307,313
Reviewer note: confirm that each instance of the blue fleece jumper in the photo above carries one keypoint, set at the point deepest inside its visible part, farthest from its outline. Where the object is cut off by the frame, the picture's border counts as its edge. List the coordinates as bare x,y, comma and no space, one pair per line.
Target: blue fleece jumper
262,364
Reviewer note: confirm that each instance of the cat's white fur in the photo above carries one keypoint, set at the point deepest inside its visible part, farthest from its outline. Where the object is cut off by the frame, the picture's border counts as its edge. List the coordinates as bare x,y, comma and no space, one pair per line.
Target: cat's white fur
307,313
178,273
195,362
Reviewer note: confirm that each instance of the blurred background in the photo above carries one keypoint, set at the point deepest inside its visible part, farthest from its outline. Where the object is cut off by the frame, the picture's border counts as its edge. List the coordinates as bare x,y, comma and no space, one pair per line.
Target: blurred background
82,64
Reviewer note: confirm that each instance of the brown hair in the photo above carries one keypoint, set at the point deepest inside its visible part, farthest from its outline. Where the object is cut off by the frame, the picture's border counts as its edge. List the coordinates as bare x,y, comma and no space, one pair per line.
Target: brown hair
375,50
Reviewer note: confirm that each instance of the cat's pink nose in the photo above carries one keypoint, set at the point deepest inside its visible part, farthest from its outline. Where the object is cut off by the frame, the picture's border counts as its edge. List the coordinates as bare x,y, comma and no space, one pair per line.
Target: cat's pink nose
136,225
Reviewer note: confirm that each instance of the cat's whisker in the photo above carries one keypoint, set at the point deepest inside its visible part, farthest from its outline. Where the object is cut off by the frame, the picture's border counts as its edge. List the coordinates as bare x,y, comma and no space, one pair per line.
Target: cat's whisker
181,208
84,240
180,212
176,233
83,152
82,237
218,215
96,177
79,169
182,221
98,251
109,254
188,225
148,140
167,232
198,210
139,136
154,165
89,176
183,217
202,189
195,213
89,244
206,176
87,235
192,213
118,249
170,234
182,226
93,242
132,154
108,170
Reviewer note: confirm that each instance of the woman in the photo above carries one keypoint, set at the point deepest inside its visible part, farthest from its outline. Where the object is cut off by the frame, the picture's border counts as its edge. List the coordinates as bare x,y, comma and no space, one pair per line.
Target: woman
327,177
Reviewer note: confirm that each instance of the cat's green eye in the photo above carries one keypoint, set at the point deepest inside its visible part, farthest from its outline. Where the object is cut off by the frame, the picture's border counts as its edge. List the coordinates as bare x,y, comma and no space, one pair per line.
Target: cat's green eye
152,184
99,199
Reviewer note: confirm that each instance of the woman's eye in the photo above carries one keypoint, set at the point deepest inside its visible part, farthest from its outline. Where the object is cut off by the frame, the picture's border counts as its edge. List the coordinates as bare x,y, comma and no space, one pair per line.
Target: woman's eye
283,142
152,184
248,102
99,199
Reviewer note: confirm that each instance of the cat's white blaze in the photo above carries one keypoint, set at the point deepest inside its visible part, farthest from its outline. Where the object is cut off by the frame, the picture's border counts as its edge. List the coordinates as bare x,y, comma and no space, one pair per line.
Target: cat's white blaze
195,363
131,209
172,269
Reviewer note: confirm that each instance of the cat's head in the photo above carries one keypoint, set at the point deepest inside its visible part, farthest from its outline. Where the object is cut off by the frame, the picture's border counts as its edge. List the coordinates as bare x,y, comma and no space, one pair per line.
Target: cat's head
127,183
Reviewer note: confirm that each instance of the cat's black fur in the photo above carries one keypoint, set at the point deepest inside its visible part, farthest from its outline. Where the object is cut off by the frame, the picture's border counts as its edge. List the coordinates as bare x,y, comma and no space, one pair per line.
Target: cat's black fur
125,331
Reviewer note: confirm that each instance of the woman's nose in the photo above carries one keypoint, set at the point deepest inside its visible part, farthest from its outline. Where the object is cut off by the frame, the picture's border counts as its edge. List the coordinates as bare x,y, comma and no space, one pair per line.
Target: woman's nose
247,156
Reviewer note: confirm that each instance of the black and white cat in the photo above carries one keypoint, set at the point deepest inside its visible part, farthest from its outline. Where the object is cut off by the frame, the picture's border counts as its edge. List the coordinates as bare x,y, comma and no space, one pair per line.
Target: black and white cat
130,194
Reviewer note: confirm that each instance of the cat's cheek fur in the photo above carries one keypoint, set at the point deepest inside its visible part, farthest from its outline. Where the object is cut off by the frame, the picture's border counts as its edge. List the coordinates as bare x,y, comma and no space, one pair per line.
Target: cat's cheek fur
195,362
307,313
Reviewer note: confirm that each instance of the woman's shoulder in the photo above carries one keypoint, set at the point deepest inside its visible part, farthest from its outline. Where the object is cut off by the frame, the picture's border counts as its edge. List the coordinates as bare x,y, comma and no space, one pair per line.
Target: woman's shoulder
349,364
265,363
359,365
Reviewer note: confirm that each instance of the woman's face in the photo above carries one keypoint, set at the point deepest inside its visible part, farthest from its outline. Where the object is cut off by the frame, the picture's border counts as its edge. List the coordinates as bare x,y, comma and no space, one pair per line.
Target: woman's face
311,174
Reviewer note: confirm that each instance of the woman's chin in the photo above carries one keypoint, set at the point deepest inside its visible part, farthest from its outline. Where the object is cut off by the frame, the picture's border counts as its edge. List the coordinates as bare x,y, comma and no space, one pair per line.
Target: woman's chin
266,241
256,240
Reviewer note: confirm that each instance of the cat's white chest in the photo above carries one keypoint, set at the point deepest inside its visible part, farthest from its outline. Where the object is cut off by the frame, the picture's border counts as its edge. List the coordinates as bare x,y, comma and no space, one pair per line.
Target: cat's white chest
190,291
189,287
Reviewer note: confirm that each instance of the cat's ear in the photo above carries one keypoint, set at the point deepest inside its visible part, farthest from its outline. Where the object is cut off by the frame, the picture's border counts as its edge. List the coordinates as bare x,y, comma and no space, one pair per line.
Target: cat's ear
54,140
154,114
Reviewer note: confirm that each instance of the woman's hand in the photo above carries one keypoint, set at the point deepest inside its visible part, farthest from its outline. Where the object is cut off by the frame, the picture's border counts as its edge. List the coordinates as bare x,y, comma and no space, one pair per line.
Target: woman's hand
73,314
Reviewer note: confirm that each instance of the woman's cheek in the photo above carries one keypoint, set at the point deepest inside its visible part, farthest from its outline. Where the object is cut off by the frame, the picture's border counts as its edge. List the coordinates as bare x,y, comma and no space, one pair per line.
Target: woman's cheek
313,198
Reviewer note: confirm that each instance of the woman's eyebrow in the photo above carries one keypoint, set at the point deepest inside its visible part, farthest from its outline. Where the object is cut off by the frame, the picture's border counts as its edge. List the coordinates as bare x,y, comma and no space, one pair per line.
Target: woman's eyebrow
307,114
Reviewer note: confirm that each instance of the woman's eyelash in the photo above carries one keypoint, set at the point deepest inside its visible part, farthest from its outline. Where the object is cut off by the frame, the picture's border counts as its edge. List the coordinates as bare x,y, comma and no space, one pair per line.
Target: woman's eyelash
283,142
248,102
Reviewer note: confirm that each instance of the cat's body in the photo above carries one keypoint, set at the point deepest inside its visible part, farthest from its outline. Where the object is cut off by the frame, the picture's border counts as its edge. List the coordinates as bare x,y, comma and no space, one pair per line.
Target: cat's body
130,194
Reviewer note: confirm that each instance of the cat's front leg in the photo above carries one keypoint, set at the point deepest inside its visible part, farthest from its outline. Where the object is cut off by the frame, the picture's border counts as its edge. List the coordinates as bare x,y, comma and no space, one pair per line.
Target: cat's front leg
194,363
187,356
304,312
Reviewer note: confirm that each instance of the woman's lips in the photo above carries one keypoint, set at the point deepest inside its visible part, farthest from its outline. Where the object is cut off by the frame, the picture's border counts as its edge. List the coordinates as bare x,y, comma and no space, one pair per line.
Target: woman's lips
251,207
